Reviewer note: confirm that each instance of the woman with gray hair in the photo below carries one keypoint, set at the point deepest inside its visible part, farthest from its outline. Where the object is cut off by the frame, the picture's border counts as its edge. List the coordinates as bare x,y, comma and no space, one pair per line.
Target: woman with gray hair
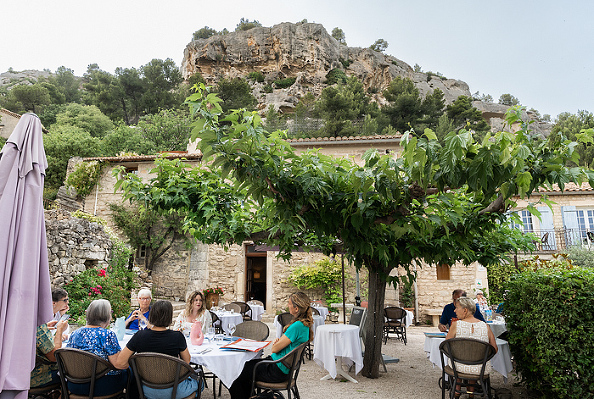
95,338
144,301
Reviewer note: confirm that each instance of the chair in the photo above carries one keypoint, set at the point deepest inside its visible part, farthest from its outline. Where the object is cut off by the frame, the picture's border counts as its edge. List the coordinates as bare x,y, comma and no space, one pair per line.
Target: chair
47,392
465,351
160,371
216,323
315,311
285,319
395,323
252,329
81,367
232,307
257,302
245,310
292,361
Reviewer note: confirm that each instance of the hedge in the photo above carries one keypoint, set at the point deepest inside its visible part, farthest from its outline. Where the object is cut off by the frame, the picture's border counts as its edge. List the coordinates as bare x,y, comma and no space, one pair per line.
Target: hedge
550,318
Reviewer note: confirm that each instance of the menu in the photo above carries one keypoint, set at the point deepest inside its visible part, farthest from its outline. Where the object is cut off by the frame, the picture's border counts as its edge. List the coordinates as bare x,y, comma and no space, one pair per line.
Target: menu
246,345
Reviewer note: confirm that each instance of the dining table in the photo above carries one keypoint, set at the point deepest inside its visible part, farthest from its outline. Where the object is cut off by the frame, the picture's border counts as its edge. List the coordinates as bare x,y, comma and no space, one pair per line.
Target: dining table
501,362
335,345
257,311
323,310
228,318
497,326
317,321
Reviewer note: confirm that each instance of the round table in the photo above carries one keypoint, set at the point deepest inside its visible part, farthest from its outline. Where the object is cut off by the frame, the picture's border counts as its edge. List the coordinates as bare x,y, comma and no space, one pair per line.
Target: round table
498,327
323,310
257,311
227,318
338,342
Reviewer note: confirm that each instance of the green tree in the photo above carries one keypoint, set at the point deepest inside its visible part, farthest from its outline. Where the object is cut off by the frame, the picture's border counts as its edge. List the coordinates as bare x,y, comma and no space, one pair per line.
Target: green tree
67,83
486,98
417,68
570,126
236,93
204,33
86,117
103,90
463,114
168,130
131,91
508,99
126,139
62,143
23,98
405,107
245,24
434,204
338,34
380,45
161,78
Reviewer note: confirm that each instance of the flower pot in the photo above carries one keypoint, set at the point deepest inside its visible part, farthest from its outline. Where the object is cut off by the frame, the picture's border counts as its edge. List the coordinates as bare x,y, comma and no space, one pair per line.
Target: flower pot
212,300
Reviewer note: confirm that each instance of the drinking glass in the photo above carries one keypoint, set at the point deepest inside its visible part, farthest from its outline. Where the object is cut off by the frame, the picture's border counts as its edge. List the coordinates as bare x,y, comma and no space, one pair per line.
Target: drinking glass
210,332
141,323
231,328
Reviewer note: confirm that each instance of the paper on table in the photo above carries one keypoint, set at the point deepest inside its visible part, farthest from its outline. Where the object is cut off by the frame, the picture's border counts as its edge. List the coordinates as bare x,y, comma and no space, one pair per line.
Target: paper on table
435,335
247,344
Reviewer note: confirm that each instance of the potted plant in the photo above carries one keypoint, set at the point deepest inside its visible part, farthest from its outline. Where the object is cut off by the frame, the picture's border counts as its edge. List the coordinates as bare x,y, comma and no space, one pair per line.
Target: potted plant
211,296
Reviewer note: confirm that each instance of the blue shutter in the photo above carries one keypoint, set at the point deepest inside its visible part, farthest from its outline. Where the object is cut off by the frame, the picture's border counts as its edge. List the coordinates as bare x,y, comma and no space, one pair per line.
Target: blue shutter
570,223
547,229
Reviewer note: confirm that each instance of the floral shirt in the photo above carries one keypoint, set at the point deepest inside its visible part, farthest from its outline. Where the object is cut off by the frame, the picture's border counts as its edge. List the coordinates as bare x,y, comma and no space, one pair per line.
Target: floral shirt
44,342
99,341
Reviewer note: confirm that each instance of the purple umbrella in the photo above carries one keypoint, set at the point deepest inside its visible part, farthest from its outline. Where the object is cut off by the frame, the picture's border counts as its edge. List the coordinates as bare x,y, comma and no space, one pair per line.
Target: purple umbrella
25,291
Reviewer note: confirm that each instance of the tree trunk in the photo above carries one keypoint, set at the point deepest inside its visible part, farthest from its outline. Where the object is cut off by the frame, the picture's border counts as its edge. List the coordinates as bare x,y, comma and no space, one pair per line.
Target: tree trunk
374,324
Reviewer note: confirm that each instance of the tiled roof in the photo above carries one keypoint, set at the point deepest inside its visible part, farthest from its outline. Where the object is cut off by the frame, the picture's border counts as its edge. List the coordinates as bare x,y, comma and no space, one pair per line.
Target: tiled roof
569,187
140,158
377,137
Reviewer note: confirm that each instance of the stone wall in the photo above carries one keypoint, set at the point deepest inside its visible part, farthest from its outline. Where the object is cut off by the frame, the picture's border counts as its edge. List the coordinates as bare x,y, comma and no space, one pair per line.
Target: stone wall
74,245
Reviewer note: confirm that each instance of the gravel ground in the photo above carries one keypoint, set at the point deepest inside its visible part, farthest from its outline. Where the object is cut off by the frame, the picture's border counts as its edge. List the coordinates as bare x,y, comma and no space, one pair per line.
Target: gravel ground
413,376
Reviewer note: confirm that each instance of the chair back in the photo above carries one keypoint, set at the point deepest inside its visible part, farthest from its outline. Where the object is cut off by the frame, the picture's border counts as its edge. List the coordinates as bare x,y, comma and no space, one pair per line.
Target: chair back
244,309
394,313
160,371
252,329
358,316
257,302
315,311
292,361
466,351
80,367
232,306
285,319
216,322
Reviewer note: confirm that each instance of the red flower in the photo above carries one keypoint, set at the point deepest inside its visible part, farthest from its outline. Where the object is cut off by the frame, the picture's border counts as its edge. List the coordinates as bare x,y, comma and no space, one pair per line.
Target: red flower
102,273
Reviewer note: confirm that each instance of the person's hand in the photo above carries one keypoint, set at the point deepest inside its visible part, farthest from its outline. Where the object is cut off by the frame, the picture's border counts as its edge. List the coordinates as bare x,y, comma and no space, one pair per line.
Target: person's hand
442,327
61,326
52,324
275,341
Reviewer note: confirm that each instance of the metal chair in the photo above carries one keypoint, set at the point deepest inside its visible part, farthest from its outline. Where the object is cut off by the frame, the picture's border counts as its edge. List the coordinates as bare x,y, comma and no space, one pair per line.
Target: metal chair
47,392
216,322
252,329
81,367
315,311
245,310
285,319
292,361
257,302
160,371
395,323
232,307
466,351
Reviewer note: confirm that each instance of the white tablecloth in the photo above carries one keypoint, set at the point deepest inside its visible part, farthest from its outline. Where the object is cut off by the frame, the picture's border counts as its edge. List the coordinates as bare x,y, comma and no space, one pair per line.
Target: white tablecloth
409,318
228,317
501,362
257,311
498,327
318,321
323,311
225,364
332,340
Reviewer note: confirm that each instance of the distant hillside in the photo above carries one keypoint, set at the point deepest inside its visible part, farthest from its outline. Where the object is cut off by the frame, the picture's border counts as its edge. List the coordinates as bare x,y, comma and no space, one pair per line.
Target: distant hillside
13,78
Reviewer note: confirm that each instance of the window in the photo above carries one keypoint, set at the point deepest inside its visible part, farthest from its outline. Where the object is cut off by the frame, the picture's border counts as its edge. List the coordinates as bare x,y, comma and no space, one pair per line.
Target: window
443,272
526,218
585,219
141,252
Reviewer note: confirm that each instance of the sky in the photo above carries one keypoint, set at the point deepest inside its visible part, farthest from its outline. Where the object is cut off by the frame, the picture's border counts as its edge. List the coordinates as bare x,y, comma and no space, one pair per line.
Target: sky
539,51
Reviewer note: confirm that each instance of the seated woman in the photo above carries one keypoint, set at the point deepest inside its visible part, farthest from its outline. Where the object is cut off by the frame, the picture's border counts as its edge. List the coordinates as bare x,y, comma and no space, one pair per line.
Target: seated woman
158,338
95,338
144,300
467,326
44,372
295,333
195,311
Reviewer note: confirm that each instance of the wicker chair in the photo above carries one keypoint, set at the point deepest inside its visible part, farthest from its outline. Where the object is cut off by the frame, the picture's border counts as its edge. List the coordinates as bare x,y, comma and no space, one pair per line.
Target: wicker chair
245,310
315,311
470,352
216,323
257,302
232,307
285,319
293,361
81,367
47,392
160,371
252,329
395,323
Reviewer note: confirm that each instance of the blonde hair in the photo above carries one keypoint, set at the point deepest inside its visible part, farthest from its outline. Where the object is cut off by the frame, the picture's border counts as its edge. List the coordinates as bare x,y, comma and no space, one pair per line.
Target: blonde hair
467,303
301,301
191,298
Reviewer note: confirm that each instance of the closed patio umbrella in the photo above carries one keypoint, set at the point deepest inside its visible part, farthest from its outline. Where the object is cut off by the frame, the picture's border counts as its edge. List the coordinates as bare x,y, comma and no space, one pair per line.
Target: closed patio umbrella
25,291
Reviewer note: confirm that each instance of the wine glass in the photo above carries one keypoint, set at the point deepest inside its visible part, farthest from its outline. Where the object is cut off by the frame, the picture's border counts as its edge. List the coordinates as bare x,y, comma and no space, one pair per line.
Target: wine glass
210,332
231,328
141,323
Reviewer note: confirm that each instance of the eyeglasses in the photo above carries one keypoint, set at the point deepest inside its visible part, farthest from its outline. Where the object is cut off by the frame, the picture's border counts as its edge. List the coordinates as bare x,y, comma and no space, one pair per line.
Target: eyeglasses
65,300
144,299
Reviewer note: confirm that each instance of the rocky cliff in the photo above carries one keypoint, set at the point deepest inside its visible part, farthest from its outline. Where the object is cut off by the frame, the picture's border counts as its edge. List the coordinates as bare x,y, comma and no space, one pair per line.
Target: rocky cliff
306,52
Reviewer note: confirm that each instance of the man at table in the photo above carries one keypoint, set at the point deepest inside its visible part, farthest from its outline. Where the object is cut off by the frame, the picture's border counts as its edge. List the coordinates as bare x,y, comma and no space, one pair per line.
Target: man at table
449,311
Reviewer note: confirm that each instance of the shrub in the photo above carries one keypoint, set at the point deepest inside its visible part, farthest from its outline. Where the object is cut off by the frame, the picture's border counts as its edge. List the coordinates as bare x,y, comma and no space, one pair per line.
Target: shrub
550,320
335,76
84,177
284,83
267,89
345,63
256,76
324,274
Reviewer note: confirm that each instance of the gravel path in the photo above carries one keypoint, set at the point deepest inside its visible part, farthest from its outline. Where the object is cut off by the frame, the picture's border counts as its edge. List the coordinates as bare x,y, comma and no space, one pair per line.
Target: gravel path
414,376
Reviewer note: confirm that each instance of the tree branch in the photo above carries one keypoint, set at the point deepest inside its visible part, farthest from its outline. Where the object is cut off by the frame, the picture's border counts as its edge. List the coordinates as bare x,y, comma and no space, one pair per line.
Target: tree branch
496,206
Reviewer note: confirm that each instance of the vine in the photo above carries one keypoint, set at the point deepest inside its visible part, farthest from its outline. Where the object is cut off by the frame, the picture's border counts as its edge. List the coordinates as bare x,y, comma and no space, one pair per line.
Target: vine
85,176
324,274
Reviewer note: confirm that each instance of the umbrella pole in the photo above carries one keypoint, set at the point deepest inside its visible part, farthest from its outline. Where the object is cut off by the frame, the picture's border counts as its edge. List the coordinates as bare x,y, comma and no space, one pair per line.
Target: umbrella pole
343,293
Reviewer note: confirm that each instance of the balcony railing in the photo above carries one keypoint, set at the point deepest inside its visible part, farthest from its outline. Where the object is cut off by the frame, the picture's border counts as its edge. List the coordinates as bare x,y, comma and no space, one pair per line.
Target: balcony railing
554,240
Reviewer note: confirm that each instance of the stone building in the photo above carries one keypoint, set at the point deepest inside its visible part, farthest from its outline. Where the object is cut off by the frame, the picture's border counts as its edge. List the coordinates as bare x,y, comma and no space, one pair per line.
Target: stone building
8,121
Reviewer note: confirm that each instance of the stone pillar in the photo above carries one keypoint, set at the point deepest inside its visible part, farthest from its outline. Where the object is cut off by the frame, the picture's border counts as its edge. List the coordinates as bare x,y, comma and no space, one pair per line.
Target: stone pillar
198,275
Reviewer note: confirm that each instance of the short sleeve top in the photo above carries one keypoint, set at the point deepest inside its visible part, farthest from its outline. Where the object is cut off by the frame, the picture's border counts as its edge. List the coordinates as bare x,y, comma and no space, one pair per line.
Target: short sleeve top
97,340
44,342
168,342
298,334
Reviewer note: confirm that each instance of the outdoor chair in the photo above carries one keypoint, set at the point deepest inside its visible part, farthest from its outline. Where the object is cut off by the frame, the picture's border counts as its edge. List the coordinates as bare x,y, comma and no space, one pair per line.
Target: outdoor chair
232,307
292,361
245,310
81,367
216,323
160,371
252,329
395,323
358,316
47,392
314,311
257,302
466,351
285,319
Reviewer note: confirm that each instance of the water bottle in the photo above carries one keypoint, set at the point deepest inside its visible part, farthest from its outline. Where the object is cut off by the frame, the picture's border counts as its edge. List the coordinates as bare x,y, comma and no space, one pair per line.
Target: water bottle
489,314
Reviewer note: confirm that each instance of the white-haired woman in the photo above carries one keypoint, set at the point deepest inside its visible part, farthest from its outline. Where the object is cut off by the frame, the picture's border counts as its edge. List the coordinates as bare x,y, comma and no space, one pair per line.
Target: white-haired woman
95,338
144,300
195,311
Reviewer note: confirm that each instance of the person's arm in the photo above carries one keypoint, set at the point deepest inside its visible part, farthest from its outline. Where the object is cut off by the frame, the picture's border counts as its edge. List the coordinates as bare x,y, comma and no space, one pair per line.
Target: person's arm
60,327
452,332
120,359
177,326
185,355
492,340
444,320
280,343
133,316
478,314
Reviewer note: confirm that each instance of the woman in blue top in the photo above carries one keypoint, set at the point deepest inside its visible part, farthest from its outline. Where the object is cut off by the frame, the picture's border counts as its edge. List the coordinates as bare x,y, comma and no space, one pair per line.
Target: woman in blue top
296,333
95,338
144,300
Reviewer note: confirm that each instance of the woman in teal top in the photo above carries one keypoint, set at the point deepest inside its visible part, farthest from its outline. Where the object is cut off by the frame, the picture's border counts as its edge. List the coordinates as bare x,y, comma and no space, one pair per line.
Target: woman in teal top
296,333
